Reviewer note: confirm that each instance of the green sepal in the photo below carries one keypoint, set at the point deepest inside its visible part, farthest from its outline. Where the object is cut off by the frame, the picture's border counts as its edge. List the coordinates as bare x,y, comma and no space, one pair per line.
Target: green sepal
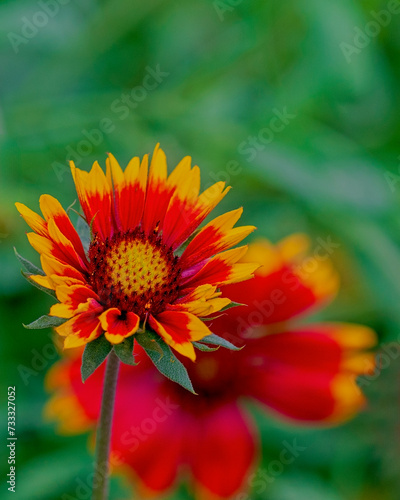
205,348
27,265
211,318
45,322
166,362
83,230
149,343
179,251
219,341
93,356
27,276
124,351
229,306
232,304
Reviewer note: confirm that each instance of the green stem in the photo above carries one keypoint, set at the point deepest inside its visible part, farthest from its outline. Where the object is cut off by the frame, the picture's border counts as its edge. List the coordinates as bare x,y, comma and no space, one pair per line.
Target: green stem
103,437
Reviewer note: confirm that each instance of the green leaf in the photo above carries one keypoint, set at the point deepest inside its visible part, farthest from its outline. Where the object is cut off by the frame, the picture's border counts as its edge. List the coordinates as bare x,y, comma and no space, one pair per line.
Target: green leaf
203,347
124,351
45,322
27,276
216,340
27,265
166,363
93,356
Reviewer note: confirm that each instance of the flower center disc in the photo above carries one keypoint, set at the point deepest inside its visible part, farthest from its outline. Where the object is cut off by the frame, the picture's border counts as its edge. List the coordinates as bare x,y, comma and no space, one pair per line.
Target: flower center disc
134,272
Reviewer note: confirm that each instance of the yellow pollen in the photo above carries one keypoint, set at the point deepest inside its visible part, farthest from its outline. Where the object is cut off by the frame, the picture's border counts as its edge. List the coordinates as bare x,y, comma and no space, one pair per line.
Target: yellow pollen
135,272
137,267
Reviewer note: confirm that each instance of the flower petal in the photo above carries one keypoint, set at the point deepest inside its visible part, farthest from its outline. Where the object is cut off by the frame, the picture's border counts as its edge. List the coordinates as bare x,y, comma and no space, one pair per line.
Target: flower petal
72,299
185,215
179,330
82,328
201,301
52,266
216,236
304,374
34,220
65,246
183,208
158,192
118,327
142,441
201,307
48,247
222,269
222,451
287,284
129,185
95,196
51,209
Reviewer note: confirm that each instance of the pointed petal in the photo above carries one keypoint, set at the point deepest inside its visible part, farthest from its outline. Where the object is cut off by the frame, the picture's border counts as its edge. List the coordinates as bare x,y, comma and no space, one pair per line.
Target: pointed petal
56,247
44,281
158,192
201,308
81,329
222,269
217,236
65,246
179,330
130,191
52,266
72,298
95,196
46,246
201,301
191,213
34,220
51,209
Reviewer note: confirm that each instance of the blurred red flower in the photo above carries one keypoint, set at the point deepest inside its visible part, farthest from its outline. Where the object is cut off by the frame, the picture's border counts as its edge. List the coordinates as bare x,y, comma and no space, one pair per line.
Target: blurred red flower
305,373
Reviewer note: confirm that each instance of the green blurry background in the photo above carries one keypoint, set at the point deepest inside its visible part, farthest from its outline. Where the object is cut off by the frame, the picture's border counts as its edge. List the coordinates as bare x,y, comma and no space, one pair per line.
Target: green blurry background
216,74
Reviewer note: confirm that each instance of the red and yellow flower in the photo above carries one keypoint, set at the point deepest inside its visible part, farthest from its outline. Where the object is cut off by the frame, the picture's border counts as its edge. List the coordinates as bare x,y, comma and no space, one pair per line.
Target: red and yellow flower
134,271
304,373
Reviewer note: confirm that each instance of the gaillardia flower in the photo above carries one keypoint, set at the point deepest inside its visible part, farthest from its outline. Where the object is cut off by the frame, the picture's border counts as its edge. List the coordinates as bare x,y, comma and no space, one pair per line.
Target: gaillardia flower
304,373
135,271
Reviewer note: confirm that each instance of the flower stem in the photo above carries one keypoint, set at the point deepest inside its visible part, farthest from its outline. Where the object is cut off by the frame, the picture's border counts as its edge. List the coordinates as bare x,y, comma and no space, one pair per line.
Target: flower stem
103,437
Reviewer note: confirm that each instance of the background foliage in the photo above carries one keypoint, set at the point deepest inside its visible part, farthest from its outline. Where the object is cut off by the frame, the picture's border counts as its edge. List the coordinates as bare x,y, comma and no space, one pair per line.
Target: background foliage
228,68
